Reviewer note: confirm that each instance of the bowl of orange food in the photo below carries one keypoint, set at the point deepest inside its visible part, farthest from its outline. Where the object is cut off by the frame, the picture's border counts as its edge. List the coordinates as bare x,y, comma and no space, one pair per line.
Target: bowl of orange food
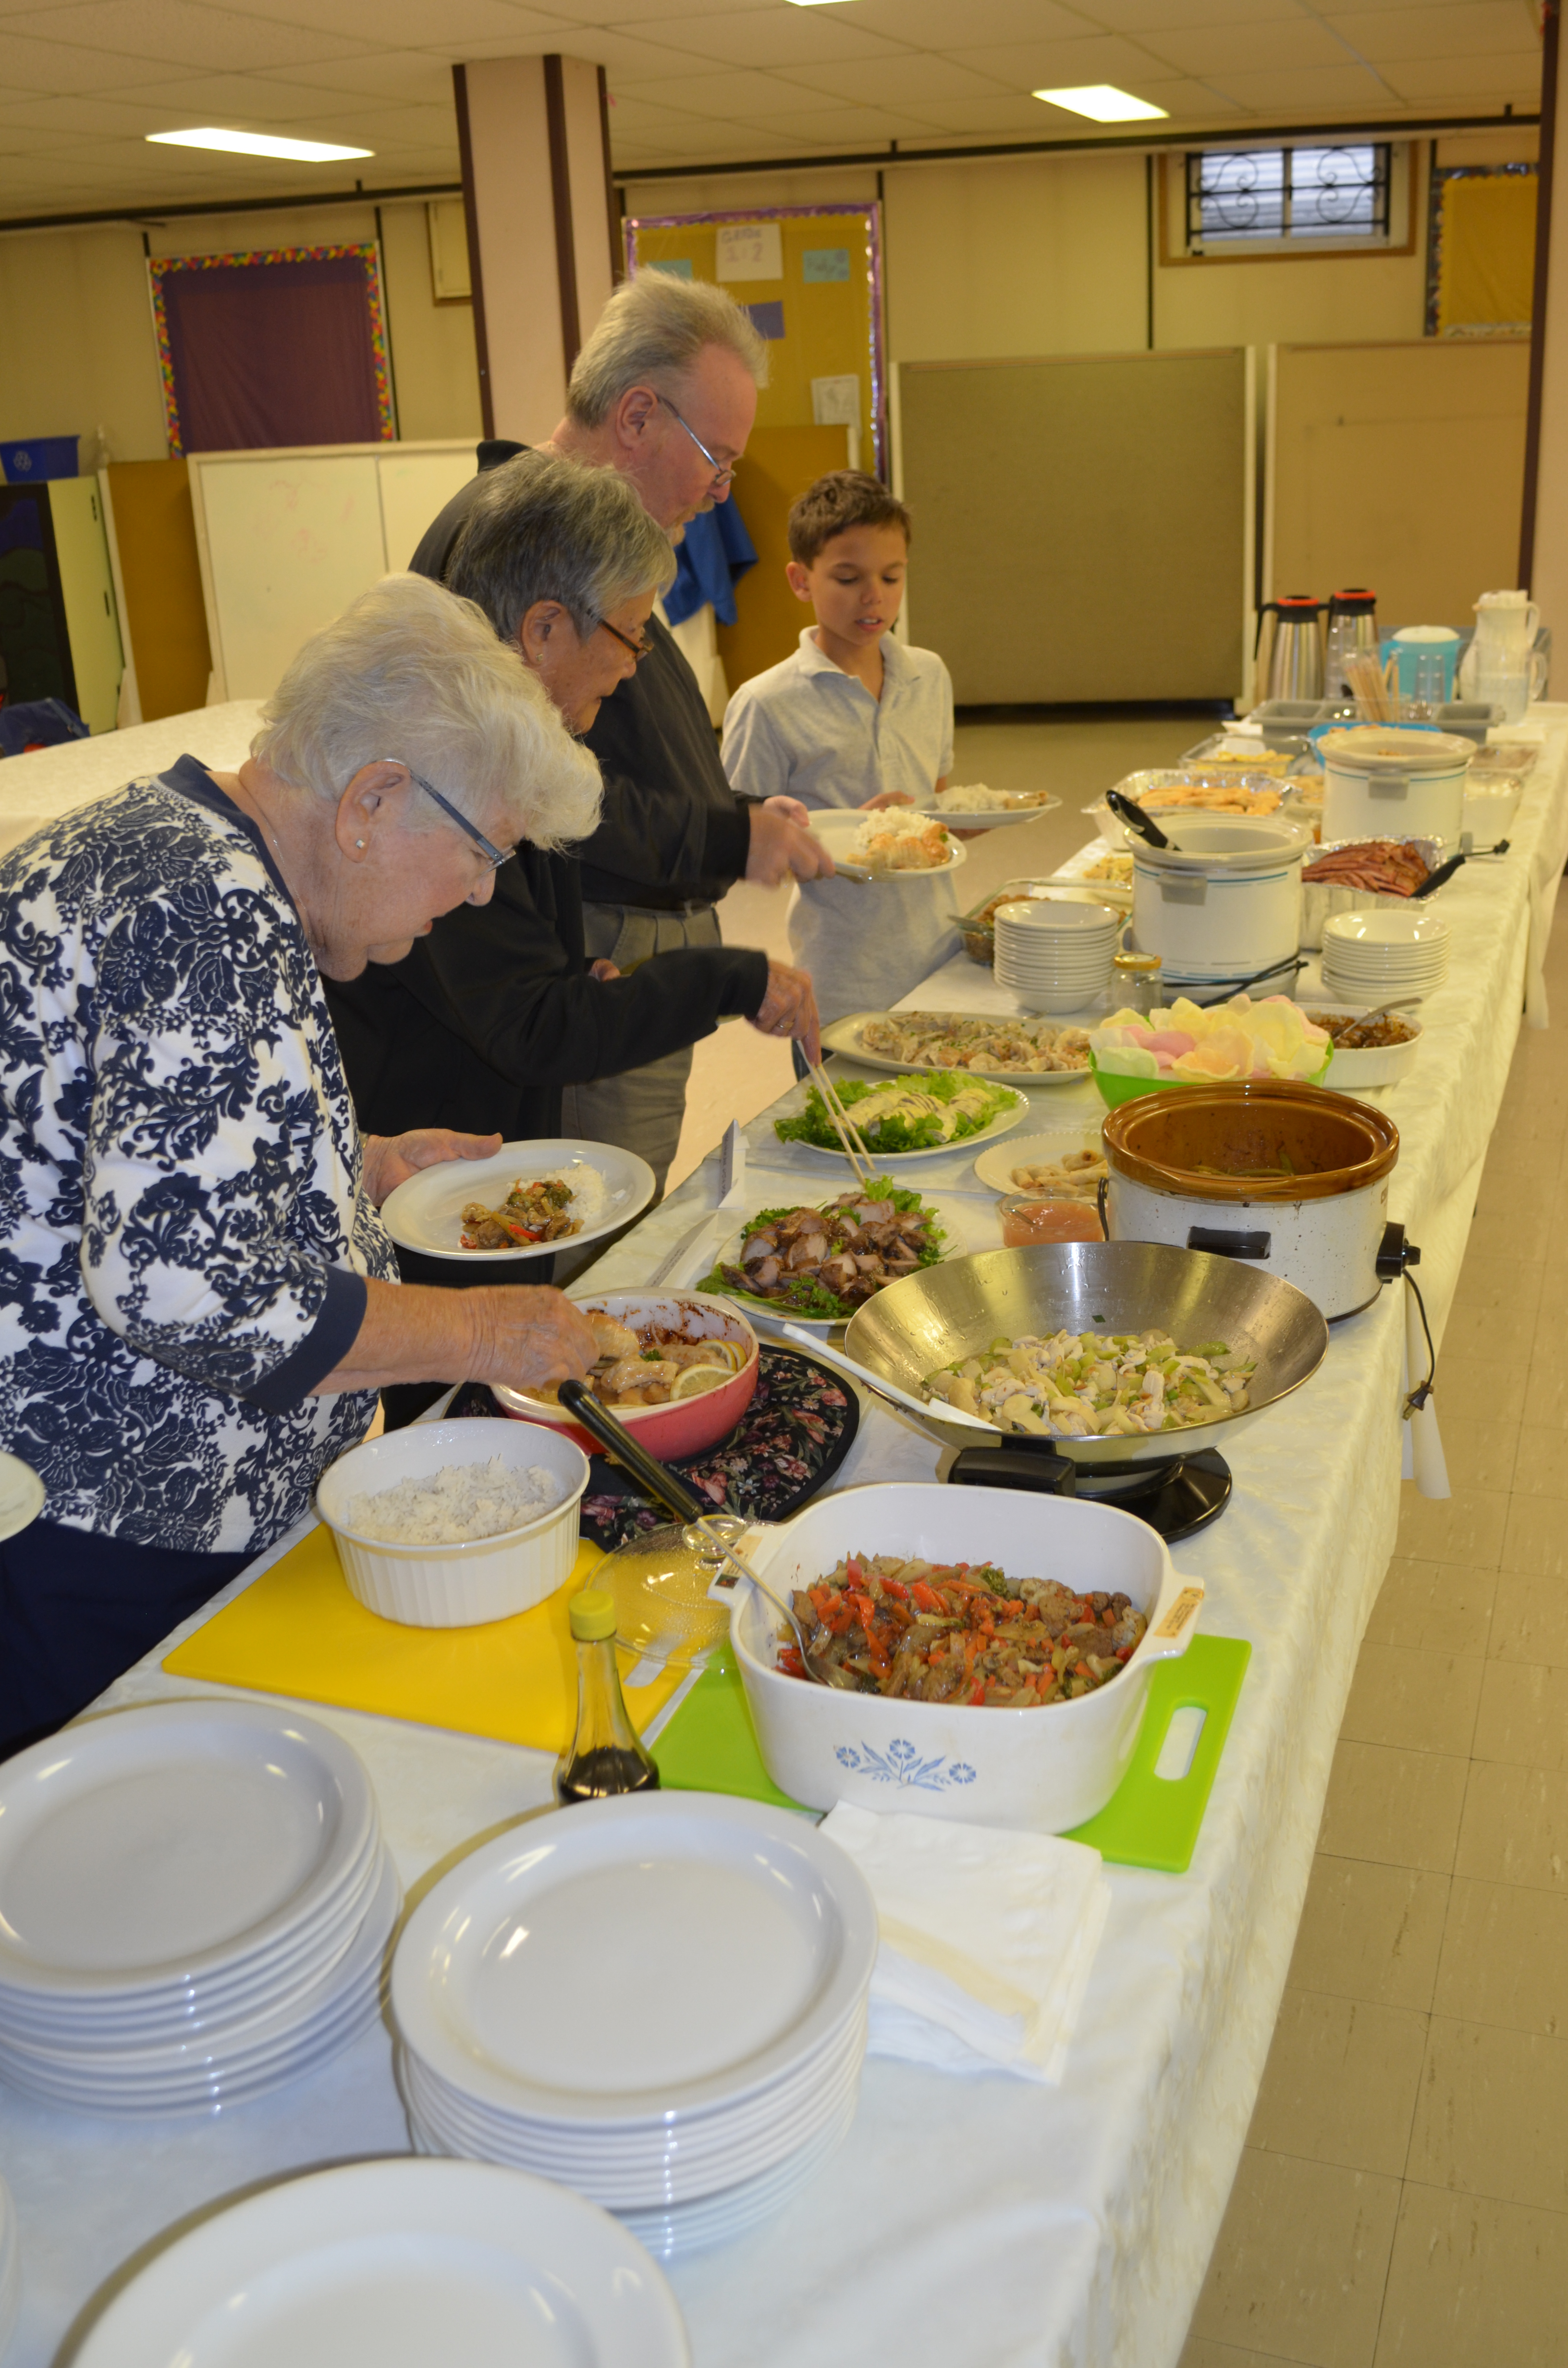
677,1367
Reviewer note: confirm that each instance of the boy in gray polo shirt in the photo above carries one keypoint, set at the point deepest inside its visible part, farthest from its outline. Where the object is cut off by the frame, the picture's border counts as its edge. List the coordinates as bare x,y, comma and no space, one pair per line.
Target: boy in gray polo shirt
853,718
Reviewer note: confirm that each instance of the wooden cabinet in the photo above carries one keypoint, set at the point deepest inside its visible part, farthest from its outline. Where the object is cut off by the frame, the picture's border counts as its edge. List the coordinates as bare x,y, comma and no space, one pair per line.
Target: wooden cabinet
59,628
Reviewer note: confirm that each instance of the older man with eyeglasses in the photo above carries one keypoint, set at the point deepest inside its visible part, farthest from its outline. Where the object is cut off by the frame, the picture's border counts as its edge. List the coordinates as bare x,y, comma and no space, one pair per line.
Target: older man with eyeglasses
665,392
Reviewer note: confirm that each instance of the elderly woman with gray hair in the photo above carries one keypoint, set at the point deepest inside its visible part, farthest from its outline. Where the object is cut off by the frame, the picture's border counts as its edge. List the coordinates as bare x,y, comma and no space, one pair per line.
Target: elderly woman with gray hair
488,1018
200,1301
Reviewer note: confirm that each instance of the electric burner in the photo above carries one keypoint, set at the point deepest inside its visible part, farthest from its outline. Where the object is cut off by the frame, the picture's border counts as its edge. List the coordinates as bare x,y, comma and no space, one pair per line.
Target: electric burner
1176,1498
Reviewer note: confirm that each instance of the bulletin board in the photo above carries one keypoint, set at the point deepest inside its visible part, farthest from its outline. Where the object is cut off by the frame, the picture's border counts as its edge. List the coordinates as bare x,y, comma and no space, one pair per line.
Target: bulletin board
811,278
1480,250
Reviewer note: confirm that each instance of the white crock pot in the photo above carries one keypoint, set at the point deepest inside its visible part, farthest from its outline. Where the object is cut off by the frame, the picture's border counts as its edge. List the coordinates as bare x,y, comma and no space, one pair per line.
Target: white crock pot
1383,780
1225,902
1318,1223
1047,1768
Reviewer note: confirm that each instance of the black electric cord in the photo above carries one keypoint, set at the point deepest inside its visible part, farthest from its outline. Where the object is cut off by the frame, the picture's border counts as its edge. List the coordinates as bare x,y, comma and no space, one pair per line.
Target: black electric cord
1418,1397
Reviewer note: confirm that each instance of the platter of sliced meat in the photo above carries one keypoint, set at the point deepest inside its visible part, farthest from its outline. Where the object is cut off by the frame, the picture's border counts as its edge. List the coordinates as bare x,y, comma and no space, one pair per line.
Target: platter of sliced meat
1363,875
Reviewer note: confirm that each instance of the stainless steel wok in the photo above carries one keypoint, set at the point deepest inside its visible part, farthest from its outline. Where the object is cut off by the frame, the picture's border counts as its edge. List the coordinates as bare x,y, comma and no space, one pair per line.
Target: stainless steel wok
958,1308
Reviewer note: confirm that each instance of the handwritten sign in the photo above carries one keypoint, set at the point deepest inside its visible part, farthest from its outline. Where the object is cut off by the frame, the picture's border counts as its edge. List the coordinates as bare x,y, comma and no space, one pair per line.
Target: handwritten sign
750,251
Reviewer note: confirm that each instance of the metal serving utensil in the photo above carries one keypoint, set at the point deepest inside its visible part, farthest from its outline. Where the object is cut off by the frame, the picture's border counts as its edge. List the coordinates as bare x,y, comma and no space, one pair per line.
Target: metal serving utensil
703,1532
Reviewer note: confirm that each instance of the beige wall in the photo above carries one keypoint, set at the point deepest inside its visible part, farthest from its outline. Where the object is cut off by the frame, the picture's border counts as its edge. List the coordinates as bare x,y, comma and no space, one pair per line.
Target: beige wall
76,346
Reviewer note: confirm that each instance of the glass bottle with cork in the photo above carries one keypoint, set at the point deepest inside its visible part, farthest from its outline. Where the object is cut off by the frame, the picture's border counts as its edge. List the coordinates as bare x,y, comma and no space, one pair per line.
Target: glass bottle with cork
606,1756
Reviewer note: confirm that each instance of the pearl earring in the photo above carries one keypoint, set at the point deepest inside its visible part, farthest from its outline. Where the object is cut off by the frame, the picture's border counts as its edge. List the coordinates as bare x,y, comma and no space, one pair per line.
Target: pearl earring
359,842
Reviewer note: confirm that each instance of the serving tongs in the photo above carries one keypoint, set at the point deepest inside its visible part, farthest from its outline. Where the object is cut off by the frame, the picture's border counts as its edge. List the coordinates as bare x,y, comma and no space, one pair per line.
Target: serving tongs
1129,812
709,1536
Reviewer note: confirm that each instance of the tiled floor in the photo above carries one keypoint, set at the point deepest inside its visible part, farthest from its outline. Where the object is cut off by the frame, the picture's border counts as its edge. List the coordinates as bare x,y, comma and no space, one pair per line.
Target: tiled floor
1403,2201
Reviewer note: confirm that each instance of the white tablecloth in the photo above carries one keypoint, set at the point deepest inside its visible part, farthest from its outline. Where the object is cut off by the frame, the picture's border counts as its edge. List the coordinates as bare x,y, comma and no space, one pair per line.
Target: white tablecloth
50,781
987,2222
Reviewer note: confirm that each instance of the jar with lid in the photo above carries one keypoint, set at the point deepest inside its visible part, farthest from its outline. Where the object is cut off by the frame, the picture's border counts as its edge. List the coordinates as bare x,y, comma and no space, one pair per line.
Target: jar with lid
1138,980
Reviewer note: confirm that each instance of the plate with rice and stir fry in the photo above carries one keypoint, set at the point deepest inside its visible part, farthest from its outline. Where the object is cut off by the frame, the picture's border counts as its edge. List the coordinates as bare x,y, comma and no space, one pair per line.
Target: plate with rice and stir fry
519,1203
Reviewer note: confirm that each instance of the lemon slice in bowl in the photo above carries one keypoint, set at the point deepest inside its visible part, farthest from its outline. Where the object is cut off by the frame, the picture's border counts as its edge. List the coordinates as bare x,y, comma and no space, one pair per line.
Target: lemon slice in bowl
696,1379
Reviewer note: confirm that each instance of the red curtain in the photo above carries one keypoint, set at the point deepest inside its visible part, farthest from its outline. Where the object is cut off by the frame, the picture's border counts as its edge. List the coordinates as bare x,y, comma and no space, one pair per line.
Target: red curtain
282,352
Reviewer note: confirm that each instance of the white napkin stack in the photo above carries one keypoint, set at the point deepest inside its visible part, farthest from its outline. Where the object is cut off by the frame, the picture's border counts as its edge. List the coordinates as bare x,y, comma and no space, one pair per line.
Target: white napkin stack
988,1938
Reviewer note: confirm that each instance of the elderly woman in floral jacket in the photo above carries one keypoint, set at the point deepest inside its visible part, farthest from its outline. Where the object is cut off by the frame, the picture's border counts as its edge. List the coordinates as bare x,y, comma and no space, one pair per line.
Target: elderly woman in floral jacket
197,1299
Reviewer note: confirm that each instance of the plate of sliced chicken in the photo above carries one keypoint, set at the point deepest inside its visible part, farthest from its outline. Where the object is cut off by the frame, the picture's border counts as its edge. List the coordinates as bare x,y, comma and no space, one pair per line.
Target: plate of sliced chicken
815,1262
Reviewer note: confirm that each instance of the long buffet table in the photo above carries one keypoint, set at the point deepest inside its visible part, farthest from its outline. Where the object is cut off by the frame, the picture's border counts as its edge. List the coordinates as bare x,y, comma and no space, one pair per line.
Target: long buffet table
985,2221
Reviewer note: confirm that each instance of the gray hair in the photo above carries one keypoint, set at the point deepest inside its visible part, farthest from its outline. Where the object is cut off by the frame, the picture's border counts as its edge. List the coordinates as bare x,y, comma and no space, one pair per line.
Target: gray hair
543,528
652,331
410,672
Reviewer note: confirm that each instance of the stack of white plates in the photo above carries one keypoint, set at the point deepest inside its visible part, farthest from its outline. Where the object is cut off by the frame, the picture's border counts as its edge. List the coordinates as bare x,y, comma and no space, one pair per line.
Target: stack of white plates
1382,957
194,1907
403,2264
660,2001
1055,955
10,2267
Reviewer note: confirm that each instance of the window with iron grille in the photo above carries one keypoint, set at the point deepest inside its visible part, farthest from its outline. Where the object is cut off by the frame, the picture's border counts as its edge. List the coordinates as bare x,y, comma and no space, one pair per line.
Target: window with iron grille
1287,196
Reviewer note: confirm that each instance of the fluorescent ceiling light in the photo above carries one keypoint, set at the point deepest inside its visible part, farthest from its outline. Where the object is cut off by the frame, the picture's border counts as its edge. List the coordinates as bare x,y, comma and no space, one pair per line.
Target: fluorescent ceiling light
1101,101
257,144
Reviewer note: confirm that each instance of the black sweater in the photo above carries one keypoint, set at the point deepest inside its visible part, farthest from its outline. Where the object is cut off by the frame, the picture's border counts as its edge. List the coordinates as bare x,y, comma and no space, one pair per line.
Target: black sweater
674,832
493,1013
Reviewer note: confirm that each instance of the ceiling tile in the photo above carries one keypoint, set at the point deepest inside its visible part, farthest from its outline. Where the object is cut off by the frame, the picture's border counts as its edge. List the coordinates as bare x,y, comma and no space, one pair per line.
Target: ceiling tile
412,23
1062,65
94,118
635,13
935,24
1463,81
845,128
1138,17
1479,28
773,37
1005,112
733,93
899,82
241,99
402,74
182,31
1238,49
1307,89
54,66
630,111
627,57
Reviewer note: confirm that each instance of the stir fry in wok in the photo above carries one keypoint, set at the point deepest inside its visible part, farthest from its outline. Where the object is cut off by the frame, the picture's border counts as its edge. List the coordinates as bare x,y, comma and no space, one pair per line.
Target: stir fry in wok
1097,1385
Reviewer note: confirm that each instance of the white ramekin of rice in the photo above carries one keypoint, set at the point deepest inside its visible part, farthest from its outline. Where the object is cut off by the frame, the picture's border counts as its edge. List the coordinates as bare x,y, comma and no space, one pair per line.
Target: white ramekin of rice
453,1582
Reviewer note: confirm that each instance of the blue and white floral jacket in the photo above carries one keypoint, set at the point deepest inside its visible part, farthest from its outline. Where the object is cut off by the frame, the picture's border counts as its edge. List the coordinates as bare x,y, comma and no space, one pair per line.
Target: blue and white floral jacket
183,1241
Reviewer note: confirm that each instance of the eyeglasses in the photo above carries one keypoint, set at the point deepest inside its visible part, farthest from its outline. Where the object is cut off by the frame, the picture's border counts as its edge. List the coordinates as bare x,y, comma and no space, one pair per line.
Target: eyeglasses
721,475
639,649
496,856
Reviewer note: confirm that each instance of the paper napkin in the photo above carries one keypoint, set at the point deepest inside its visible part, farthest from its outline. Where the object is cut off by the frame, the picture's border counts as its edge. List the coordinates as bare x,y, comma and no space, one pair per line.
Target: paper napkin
987,1940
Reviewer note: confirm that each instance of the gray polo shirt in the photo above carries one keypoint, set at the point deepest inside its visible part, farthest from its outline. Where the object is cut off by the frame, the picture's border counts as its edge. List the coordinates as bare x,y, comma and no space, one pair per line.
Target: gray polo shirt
805,729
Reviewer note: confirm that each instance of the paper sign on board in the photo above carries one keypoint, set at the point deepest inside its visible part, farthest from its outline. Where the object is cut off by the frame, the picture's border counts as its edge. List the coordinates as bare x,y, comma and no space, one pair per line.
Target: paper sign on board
750,251
820,263
835,402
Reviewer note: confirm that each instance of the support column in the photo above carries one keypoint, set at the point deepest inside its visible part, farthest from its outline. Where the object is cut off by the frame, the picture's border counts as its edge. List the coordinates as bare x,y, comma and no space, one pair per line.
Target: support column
1543,543
537,190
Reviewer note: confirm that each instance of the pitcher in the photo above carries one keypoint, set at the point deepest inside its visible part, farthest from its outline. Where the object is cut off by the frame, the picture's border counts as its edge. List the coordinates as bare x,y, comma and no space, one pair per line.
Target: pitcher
1502,667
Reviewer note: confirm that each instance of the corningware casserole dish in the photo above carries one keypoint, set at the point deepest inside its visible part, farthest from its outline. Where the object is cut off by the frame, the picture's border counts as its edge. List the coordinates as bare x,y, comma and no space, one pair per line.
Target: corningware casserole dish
956,1310
1046,1769
685,1425
471,1580
1287,1178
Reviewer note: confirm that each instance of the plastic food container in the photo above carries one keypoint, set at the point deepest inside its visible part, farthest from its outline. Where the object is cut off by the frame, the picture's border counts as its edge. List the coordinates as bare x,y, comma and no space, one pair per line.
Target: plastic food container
1387,780
472,1580
1321,899
1318,1226
1490,801
1225,903
1046,1769
687,1425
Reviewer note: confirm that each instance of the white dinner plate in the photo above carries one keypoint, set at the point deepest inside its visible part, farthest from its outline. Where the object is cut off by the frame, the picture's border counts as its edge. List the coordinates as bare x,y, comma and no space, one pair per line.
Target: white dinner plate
686,2228
958,1224
995,1168
149,1846
847,1037
424,1211
1004,1119
837,831
988,818
631,1958
401,2263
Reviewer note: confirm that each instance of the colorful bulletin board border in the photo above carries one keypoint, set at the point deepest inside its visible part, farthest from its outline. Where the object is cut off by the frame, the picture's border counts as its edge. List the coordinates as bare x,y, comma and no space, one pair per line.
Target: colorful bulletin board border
160,265
869,216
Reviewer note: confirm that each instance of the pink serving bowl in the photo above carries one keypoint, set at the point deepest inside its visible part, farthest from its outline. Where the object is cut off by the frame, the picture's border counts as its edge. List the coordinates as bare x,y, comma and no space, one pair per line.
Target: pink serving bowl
687,1427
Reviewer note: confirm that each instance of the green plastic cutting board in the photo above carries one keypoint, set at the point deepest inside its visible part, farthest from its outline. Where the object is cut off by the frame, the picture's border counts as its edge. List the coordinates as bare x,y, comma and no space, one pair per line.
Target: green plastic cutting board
708,1746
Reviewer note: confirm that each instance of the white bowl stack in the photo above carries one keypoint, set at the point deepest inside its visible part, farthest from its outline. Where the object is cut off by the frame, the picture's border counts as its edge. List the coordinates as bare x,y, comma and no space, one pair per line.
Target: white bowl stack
658,2000
1055,955
1383,957
194,1907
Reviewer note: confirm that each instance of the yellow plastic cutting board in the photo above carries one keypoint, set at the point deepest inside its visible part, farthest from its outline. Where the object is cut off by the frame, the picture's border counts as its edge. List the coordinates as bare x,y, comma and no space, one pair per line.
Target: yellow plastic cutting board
298,1631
